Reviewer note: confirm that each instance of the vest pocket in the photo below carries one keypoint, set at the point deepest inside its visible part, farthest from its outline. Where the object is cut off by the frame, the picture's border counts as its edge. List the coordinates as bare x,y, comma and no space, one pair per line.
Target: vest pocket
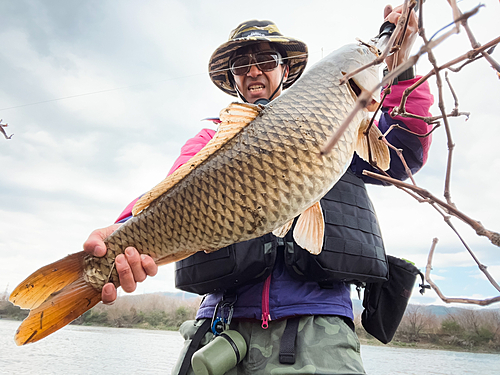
353,250
227,268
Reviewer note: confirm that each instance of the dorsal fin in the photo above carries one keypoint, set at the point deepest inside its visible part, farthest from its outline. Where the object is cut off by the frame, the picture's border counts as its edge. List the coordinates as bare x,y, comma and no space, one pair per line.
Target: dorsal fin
234,118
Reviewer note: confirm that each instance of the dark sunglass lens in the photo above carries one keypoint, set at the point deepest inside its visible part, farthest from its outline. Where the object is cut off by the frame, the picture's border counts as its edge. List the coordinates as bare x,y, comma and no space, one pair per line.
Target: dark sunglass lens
267,61
240,65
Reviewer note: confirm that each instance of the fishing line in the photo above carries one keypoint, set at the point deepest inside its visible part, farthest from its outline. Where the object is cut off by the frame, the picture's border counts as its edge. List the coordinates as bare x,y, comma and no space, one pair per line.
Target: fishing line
441,29
127,87
99,92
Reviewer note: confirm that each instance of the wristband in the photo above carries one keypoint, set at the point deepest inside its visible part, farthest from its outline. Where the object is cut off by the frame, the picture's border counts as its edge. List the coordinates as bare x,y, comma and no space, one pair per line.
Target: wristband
406,75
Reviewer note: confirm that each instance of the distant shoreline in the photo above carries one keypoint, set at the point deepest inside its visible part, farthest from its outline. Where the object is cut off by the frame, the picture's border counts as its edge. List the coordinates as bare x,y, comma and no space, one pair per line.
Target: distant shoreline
423,346
362,340
461,330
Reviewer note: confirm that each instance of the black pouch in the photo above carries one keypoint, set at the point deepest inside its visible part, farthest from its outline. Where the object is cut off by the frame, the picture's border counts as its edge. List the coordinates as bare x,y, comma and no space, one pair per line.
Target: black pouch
385,303
227,268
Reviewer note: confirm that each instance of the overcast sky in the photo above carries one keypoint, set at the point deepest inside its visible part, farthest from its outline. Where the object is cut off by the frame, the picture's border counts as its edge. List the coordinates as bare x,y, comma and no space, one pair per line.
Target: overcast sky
101,95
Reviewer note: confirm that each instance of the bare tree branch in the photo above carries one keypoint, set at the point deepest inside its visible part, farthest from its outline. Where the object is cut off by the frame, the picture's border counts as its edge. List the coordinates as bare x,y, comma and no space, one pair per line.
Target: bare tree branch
428,269
476,225
447,209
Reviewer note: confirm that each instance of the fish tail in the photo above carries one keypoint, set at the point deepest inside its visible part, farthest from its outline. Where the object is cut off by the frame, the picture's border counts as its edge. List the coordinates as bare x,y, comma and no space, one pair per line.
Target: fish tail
56,294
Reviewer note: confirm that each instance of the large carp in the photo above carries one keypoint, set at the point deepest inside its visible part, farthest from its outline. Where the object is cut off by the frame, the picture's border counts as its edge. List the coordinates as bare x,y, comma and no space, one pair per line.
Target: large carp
260,171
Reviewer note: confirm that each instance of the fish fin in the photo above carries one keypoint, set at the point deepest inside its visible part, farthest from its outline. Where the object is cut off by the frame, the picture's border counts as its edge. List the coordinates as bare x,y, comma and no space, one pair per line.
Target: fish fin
310,229
379,150
58,308
234,118
37,287
283,230
57,311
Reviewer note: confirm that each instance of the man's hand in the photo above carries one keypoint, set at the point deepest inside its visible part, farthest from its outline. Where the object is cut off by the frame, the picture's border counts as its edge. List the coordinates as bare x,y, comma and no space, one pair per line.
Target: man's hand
132,267
392,15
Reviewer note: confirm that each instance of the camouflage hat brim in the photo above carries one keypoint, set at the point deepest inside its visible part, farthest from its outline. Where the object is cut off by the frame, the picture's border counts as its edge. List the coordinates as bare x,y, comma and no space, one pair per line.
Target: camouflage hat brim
252,32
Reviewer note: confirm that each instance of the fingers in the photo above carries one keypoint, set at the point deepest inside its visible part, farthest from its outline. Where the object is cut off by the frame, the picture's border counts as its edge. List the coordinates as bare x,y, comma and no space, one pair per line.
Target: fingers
108,294
135,264
133,268
393,15
95,243
387,11
149,265
127,281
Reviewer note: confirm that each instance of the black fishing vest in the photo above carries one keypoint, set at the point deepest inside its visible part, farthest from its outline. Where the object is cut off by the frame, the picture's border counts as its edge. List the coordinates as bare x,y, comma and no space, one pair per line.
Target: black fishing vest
353,250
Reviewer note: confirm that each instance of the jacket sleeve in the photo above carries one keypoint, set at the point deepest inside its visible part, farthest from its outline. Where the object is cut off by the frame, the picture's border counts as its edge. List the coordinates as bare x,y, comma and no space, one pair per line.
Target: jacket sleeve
190,148
415,149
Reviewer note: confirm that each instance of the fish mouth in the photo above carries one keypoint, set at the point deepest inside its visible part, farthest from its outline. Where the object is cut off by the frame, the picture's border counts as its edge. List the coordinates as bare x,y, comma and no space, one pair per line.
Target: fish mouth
355,87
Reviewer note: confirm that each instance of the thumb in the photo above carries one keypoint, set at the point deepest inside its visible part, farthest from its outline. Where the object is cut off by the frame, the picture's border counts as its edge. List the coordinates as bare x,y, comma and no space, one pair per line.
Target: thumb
108,294
387,10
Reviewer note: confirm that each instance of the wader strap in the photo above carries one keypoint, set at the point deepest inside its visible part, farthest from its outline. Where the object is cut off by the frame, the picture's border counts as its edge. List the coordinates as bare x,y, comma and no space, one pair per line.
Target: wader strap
287,344
195,344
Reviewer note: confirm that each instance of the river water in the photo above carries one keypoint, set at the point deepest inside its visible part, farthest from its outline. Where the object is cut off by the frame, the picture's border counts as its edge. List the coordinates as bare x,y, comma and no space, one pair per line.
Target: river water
78,350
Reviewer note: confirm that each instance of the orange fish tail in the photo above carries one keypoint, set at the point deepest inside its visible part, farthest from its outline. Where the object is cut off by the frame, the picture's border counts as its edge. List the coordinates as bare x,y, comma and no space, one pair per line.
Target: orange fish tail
56,294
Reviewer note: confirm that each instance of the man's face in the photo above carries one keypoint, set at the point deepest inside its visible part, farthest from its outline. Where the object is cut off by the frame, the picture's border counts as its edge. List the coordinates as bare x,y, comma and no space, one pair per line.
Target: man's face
257,84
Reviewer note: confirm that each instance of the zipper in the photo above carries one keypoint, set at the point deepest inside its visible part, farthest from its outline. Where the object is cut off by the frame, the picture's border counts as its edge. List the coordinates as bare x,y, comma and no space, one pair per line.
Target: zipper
266,316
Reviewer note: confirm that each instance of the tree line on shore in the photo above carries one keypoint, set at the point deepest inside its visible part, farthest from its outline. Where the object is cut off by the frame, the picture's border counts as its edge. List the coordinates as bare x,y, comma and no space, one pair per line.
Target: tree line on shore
461,328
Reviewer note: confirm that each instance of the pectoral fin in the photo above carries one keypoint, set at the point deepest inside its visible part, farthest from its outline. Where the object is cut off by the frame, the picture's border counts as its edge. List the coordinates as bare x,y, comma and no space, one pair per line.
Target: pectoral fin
379,150
310,229
283,230
234,118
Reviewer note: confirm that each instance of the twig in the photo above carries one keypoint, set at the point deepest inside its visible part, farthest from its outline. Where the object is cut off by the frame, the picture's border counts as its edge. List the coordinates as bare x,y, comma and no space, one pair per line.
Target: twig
468,55
428,269
451,145
456,70
396,126
455,110
396,111
474,224
475,44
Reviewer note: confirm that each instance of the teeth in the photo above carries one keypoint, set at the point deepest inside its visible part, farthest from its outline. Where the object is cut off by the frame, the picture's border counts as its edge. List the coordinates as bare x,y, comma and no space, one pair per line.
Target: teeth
253,88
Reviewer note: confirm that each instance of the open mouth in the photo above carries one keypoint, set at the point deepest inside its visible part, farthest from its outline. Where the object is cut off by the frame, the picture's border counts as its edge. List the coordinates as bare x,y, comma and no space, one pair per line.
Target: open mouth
255,88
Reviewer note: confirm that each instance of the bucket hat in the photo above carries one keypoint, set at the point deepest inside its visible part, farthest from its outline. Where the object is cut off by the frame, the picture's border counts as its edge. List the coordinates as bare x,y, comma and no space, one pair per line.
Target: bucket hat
251,32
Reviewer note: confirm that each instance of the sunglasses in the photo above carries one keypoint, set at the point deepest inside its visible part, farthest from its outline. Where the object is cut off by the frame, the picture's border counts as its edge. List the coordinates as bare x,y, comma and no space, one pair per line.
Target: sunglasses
265,61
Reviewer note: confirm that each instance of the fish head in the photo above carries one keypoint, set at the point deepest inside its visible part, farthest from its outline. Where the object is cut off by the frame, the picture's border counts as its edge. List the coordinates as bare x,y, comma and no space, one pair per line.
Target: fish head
354,56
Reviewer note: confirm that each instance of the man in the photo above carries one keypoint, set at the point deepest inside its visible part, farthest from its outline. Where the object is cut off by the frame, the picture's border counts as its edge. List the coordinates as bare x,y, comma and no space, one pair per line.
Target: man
256,64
